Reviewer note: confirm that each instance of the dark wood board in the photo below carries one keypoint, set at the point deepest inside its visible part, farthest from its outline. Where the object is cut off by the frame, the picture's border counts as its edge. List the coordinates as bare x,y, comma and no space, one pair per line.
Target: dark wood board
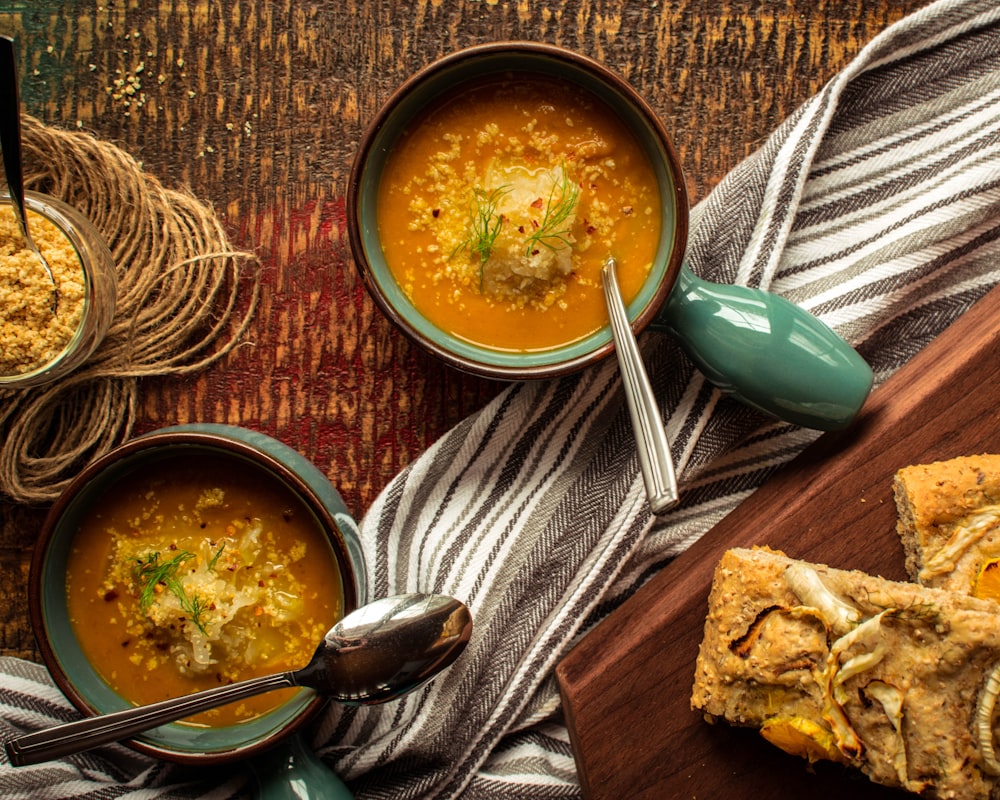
626,685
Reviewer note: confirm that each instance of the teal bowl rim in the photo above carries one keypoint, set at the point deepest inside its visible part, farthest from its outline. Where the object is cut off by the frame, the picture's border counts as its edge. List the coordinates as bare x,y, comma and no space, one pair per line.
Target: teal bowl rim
58,645
475,63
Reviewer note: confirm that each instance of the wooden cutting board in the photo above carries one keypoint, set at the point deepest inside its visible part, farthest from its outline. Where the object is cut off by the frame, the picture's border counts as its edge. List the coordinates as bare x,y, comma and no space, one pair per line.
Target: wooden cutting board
626,685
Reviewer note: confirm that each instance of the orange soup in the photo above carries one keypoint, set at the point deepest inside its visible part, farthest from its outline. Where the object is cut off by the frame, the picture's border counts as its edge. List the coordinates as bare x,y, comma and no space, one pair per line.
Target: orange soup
198,572
499,206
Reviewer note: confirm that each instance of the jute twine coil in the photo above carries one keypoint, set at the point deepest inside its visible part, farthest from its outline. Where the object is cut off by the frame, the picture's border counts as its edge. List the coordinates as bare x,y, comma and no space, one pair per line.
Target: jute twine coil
185,297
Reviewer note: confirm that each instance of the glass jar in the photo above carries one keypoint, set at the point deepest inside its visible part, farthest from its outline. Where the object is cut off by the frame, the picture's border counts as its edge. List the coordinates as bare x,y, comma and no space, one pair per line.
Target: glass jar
100,288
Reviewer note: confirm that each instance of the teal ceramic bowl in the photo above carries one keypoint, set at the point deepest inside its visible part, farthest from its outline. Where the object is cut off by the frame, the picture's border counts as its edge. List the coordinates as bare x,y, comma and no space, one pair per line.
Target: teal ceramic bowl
469,67
762,349
47,583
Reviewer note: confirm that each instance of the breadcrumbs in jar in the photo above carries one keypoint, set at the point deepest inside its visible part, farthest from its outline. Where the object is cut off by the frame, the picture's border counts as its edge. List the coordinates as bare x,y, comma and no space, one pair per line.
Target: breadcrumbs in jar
31,335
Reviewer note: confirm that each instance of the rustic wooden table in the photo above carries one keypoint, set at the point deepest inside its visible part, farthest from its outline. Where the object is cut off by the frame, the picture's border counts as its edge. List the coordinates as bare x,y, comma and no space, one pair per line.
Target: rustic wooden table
256,106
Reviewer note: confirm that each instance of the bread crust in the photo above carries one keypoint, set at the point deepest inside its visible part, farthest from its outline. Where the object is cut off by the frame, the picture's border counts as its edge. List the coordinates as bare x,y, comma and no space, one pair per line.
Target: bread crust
769,653
949,519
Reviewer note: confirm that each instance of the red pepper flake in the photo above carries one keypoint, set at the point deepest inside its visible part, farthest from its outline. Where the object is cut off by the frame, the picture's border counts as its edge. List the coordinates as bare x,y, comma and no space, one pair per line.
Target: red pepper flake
110,596
538,203
436,213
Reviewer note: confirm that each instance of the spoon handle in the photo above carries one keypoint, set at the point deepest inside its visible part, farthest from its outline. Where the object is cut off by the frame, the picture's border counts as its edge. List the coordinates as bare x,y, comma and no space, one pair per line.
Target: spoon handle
650,435
10,144
767,352
10,132
75,737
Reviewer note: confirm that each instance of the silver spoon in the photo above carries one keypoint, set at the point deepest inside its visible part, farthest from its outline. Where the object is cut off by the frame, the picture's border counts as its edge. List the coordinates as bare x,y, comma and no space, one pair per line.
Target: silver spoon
376,653
650,435
10,143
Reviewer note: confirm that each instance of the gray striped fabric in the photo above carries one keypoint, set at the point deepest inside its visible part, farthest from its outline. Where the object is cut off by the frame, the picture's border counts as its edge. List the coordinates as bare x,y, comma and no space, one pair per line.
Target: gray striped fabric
876,206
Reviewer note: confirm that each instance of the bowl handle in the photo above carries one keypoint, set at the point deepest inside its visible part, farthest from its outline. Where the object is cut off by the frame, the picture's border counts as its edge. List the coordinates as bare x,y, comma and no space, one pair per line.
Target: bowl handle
293,772
767,352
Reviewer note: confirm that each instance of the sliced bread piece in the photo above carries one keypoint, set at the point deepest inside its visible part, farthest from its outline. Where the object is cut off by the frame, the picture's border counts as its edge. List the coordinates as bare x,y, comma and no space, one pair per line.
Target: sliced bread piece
893,679
949,520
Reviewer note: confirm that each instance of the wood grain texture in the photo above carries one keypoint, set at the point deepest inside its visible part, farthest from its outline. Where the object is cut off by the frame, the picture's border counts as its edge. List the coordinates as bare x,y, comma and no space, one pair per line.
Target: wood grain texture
257,105
626,686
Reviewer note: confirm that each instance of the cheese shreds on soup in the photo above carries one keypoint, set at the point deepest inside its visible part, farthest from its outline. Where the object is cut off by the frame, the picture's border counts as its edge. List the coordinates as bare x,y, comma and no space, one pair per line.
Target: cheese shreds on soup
500,204
196,572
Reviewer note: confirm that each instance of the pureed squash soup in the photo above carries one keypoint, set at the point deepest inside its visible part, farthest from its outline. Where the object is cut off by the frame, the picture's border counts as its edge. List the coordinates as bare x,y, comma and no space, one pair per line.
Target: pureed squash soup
499,205
199,570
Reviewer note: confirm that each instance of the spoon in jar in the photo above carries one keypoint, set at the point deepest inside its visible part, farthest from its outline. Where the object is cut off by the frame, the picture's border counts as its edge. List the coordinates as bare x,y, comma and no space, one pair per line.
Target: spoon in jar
650,435
377,653
10,144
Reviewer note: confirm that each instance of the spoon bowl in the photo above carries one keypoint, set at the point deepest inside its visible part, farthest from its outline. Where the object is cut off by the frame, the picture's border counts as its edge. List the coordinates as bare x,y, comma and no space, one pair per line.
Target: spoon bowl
376,653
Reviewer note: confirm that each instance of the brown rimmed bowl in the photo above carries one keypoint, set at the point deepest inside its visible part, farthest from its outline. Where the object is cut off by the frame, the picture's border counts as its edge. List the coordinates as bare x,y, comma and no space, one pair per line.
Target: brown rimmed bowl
471,66
57,642
757,346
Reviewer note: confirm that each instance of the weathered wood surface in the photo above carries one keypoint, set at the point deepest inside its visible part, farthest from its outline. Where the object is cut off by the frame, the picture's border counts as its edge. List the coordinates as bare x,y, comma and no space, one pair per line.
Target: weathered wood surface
256,106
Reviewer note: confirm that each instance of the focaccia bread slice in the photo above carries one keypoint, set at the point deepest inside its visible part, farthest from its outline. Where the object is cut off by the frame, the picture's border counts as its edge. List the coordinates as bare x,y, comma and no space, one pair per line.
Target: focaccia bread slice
949,522
894,679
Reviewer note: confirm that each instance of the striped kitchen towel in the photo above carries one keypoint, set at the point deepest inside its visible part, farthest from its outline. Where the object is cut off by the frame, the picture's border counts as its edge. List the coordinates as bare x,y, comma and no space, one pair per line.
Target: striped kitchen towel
876,206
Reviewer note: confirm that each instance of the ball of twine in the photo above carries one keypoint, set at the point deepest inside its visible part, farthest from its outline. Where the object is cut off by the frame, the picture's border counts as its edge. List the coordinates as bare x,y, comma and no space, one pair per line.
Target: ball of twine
185,297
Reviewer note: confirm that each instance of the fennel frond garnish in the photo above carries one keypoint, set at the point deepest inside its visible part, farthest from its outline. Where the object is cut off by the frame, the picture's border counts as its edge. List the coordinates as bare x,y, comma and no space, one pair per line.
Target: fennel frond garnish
152,572
215,558
562,202
484,225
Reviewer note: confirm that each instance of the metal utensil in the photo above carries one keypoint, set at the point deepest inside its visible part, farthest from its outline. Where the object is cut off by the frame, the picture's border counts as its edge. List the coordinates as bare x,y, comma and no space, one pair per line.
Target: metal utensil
376,653
650,435
10,144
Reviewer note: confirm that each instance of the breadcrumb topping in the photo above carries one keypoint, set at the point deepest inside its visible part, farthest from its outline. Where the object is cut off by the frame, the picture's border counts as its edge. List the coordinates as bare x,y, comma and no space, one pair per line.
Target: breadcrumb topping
31,335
